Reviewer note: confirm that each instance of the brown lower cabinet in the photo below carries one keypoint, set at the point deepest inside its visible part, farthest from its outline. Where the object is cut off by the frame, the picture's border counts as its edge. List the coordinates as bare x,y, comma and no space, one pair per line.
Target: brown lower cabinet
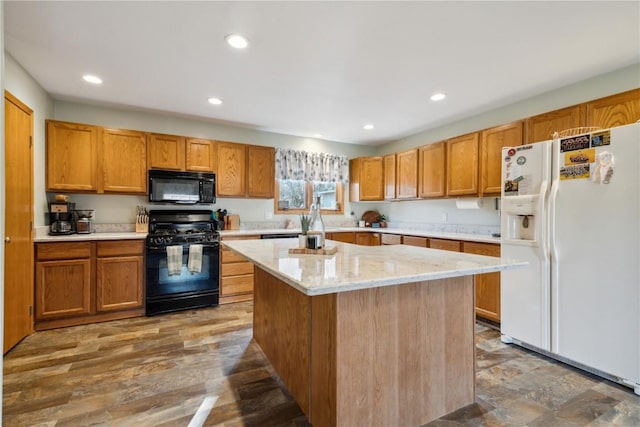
86,282
422,242
236,274
488,284
368,239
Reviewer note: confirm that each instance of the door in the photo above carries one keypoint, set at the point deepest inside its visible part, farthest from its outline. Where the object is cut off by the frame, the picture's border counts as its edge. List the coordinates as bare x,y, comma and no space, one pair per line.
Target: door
18,246
525,293
596,252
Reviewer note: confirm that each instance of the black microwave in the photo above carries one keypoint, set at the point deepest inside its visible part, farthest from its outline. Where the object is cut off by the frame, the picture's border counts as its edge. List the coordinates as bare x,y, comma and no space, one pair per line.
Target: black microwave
182,187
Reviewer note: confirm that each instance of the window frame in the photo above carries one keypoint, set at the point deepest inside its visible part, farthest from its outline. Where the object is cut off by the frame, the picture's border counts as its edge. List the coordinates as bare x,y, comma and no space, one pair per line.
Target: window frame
309,201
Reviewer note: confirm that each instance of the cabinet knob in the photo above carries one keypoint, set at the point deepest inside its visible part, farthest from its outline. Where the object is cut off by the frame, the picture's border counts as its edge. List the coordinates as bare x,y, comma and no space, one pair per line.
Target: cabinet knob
7,239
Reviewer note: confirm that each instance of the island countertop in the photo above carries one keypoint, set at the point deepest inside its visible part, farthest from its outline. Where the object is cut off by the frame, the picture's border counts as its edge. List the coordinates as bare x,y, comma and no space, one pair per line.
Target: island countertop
356,267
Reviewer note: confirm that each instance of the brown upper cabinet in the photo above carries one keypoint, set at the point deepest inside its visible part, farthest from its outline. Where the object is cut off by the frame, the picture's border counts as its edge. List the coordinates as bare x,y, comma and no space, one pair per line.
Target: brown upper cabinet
91,159
366,179
179,153
491,144
543,126
232,170
616,110
245,170
124,165
72,157
166,152
200,155
260,171
389,176
431,170
462,165
407,174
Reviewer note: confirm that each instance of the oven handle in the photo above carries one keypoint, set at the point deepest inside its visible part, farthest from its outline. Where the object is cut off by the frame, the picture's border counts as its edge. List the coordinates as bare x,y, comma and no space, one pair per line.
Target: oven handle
163,249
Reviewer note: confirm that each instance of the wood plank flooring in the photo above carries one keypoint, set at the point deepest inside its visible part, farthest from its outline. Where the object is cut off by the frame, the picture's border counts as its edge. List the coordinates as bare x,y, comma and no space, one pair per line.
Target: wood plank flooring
157,371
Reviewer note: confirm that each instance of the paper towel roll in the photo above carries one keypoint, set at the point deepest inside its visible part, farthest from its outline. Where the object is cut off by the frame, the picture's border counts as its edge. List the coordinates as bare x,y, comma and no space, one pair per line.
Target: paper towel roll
469,203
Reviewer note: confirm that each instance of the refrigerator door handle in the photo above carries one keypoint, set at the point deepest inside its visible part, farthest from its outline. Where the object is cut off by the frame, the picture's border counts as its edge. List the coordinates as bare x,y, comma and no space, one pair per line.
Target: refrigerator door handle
553,271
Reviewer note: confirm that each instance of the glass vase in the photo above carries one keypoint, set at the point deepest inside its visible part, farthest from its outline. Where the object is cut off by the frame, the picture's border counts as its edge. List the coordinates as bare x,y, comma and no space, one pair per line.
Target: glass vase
317,224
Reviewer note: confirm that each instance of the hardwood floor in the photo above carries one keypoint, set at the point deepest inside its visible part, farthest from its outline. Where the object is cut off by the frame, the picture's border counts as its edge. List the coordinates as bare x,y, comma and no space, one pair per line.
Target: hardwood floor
158,371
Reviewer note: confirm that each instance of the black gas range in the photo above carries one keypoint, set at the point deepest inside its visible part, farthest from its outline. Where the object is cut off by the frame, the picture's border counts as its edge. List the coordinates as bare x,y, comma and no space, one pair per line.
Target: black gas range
183,253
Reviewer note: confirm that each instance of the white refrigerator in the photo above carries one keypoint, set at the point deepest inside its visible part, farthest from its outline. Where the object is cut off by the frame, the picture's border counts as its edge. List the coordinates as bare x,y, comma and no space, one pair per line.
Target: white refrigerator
571,207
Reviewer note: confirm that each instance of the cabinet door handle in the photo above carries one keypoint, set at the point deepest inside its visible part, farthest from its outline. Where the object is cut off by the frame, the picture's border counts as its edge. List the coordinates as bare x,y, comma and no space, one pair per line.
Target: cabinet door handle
7,239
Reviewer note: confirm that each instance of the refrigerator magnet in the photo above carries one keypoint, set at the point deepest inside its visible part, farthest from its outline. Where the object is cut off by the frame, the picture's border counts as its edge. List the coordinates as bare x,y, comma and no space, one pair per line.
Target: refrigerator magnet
575,172
603,168
574,143
598,139
580,156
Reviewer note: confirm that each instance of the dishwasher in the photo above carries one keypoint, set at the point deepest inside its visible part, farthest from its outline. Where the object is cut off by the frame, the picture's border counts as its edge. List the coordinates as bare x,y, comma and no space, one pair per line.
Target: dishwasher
280,236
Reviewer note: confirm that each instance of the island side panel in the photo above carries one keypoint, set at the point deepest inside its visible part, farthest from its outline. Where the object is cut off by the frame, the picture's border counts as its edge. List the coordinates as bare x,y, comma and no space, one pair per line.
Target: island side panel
323,360
281,326
404,355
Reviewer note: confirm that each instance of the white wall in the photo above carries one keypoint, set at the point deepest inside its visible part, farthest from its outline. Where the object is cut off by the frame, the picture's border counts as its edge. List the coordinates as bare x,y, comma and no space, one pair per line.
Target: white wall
597,87
121,209
431,211
27,90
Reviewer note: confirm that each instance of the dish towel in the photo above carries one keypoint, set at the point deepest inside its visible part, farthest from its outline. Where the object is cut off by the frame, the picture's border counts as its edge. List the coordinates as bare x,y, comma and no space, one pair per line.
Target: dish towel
174,260
195,259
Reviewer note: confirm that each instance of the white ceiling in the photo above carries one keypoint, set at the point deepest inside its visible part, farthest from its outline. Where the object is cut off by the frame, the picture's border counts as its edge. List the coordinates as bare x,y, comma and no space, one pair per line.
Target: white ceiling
319,67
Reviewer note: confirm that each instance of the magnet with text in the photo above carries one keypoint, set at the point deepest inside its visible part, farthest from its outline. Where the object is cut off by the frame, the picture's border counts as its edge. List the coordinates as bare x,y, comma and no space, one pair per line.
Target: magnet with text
579,142
598,139
575,172
580,156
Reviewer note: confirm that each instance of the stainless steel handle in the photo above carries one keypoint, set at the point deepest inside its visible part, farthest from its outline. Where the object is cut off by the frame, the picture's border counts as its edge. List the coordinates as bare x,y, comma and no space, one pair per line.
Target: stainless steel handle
7,239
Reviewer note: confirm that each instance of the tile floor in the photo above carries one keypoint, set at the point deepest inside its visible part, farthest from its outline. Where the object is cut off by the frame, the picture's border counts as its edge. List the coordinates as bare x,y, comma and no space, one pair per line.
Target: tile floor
158,371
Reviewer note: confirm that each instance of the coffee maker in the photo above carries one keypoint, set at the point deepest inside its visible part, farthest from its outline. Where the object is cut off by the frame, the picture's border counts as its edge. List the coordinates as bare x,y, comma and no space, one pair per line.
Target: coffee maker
61,218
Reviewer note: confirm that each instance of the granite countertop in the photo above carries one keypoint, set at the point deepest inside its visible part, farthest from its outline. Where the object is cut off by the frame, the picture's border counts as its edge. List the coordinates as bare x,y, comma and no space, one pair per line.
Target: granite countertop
91,236
483,238
361,267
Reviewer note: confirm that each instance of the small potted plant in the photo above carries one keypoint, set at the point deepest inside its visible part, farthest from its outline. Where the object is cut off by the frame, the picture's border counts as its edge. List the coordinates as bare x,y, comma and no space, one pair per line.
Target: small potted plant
383,221
305,223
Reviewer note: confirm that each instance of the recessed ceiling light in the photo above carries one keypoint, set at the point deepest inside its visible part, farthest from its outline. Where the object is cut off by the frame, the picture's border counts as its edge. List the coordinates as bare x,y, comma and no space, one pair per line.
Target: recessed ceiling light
438,96
89,78
215,101
237,41
367,127
317,135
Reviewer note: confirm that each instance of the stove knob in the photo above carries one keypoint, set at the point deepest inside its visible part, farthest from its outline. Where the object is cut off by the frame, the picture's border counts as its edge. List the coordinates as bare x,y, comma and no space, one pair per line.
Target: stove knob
158,240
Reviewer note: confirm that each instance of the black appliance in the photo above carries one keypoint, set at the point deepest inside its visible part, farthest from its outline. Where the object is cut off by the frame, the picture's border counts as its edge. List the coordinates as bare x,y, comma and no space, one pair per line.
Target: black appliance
169,288
61,221
182,187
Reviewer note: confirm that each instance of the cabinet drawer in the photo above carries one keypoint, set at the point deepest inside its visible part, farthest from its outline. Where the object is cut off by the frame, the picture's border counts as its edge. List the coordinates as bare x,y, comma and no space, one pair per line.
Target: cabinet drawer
390,239
345,237
120,248
228,256
415,241
236,269
488,249
50,251
236,285
447,245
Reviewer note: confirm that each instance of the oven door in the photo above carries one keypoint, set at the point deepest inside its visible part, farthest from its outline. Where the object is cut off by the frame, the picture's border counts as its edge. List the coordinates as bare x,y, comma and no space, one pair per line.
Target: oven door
165,292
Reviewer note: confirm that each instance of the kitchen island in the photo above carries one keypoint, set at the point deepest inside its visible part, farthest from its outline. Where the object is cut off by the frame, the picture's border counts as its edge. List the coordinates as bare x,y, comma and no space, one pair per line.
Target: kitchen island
370,335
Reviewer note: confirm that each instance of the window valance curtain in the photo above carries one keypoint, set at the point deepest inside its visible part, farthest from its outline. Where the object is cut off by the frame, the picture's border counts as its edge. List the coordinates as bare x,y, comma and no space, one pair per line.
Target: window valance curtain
301,165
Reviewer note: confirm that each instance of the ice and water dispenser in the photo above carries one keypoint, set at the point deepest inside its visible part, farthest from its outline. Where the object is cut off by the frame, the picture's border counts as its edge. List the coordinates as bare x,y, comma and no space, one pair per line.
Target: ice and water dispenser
521,216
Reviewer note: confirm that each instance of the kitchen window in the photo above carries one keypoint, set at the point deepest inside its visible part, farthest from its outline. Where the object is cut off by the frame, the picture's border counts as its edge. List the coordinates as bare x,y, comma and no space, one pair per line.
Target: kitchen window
296,196
303,176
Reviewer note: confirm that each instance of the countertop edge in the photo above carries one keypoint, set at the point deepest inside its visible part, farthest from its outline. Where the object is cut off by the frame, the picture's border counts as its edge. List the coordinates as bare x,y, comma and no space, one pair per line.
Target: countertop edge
481,238
505,264
90,237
